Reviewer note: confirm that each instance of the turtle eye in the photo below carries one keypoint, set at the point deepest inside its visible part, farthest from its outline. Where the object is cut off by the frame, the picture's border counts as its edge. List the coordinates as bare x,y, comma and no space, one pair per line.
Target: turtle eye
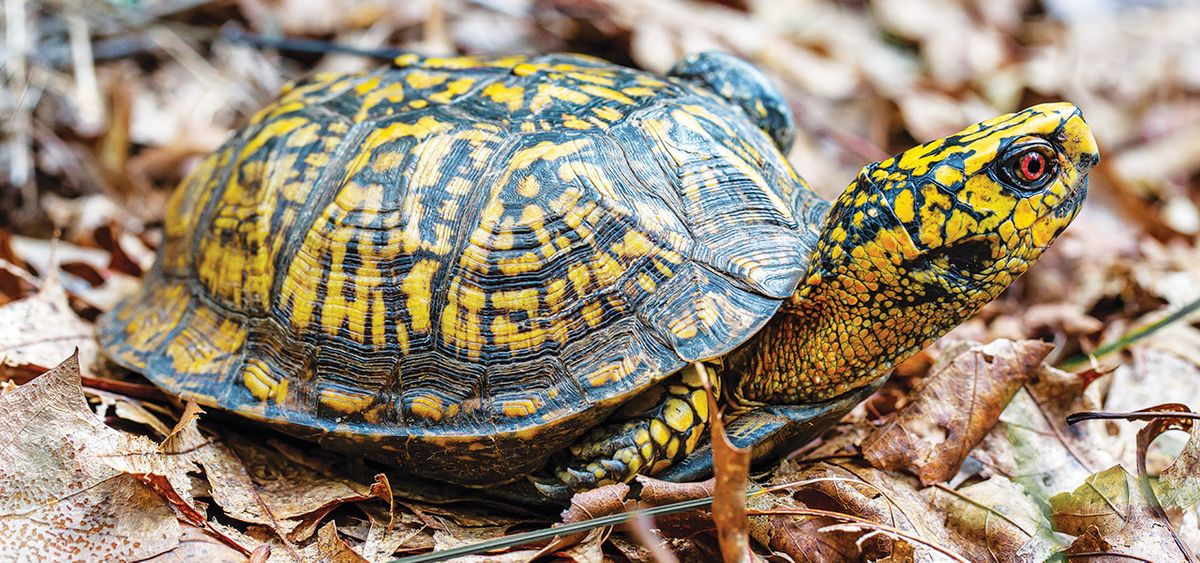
1028,167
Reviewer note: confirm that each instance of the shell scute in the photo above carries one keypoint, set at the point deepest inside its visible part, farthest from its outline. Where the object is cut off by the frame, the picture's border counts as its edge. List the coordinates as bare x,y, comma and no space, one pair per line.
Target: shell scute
466,257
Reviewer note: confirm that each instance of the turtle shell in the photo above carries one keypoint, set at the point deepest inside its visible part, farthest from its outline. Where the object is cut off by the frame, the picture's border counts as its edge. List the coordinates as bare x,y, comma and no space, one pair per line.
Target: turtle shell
459,265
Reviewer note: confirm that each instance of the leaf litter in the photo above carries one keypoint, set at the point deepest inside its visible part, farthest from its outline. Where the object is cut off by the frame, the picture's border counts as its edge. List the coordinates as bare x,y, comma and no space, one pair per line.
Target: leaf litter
966,453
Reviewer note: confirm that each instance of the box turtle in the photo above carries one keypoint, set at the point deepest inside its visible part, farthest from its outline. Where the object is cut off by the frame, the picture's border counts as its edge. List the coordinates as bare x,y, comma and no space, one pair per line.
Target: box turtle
487,268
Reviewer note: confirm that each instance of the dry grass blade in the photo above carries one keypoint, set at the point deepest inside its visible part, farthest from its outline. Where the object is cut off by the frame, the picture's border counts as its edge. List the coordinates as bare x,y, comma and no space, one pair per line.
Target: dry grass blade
1129,338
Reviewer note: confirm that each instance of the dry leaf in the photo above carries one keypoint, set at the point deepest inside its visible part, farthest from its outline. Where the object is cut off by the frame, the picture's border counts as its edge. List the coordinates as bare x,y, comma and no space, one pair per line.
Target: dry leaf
253,483
381,490
997,521
1179,484
602,501
731,469
797,536
42,329
961,401
852,487
59,499
334,549
1111,503
196,544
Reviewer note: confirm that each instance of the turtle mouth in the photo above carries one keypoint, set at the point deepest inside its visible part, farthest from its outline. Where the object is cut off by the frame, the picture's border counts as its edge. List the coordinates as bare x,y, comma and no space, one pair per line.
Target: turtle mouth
1074,200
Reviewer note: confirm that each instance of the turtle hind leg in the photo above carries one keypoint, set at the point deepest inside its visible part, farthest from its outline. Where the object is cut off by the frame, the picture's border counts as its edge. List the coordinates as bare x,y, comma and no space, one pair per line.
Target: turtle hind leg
644,443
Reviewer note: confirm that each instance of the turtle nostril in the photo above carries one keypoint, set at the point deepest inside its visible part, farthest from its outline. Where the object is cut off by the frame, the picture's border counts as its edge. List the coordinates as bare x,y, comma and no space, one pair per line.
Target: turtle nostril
1087,161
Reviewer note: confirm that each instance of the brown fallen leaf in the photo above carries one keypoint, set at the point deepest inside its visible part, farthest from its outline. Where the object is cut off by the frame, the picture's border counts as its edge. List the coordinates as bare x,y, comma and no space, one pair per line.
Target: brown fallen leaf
961,401
381,490
42,329
602,501
1034,441
1092,543
1111,503
1179,484
798,536
195,544
59,499
334,549
731,470
389,533
253,483
995,520
852,487
165,467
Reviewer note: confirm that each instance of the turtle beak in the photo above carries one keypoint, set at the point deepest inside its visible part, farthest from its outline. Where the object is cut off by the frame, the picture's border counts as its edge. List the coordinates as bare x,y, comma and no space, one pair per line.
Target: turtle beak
1076,139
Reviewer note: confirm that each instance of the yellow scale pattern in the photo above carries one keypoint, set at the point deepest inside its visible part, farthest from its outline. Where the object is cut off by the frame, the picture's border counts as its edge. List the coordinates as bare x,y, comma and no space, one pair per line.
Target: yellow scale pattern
916,245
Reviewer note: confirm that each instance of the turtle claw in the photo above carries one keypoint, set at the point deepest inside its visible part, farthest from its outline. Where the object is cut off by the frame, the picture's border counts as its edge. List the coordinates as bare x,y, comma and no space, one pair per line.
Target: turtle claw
551,488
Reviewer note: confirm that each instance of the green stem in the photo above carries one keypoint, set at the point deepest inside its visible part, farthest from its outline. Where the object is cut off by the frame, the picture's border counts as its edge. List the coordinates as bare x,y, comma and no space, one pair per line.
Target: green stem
1127,339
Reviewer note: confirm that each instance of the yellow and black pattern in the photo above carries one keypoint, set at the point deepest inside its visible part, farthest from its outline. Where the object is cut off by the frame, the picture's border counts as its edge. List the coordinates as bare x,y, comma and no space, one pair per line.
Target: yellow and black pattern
915,246
448,258
647,435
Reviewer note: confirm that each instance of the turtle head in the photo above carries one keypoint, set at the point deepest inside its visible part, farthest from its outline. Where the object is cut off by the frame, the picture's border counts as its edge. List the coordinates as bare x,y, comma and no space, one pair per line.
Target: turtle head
917,244
959,218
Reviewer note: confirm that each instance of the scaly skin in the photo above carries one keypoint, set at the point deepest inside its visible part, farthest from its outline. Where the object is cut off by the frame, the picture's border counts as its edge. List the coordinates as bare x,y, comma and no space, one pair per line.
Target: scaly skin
916,245
646,442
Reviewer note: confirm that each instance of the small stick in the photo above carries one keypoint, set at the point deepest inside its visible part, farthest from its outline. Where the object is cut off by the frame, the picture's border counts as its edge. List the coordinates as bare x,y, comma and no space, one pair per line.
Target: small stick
296,45
1093,415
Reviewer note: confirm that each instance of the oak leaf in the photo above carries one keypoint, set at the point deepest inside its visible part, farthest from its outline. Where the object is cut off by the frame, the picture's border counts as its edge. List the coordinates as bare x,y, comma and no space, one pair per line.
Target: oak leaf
962,400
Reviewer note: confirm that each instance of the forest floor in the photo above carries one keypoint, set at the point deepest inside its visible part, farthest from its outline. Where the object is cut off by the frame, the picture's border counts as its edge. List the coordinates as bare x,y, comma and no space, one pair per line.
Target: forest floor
966,454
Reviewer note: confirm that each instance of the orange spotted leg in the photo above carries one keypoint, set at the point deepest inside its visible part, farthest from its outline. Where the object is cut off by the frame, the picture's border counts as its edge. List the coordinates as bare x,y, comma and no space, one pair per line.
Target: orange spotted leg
646,443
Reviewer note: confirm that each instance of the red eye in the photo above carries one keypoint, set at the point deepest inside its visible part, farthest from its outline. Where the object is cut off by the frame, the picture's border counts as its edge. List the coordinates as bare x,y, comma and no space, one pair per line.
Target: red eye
1033,166
1027,167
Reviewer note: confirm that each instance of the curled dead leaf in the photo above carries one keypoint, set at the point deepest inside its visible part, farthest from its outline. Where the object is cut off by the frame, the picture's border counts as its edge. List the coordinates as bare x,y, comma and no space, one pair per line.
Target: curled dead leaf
962,399
731,470
59,497
42,329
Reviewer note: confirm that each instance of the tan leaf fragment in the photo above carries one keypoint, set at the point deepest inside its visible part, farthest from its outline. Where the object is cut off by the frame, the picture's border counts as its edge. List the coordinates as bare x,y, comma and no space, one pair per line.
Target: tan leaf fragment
996,521
1179,484
334,549
1112,504
731,470
961,401
42,330
59,499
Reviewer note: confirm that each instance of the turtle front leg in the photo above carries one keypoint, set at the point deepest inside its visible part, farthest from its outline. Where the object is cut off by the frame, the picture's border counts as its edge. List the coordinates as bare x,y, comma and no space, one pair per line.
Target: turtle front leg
645,443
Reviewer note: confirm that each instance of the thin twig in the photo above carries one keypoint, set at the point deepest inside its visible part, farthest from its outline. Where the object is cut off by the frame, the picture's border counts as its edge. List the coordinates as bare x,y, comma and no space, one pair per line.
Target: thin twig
1137,415
1106,554
20,273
